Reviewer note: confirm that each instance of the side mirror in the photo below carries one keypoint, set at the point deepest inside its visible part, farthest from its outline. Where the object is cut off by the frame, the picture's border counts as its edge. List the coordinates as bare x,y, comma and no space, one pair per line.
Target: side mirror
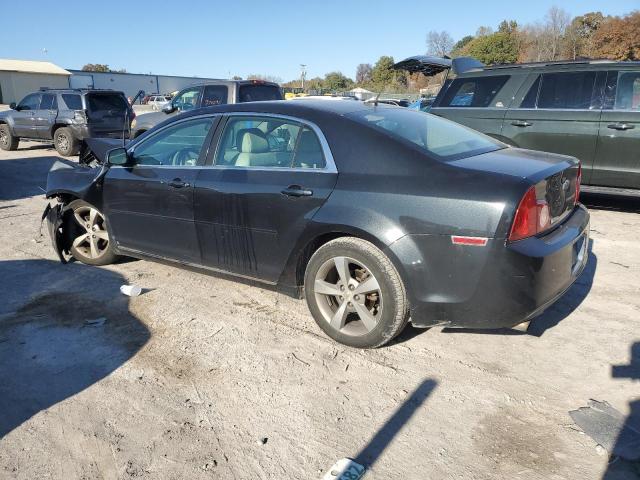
169,108
118,156
12,106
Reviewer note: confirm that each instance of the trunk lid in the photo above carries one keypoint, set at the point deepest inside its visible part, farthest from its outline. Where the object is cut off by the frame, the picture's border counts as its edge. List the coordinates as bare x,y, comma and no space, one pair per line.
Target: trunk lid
554,176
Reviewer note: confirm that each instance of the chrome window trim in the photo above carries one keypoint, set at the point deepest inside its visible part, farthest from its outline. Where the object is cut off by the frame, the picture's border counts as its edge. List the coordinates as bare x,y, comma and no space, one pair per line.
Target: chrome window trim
330,164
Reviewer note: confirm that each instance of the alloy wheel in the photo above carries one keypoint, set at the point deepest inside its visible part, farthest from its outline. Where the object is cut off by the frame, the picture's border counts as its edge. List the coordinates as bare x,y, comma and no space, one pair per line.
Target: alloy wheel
94,239
348,295
4,138
63,142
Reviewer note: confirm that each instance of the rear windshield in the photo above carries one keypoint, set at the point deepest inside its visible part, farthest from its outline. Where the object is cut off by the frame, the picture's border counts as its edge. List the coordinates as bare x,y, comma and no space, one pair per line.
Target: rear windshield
440,138
107,101
259,93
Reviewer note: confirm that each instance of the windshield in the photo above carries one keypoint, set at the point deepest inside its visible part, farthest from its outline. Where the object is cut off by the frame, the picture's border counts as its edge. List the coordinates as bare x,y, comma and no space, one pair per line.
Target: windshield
259,93
440,138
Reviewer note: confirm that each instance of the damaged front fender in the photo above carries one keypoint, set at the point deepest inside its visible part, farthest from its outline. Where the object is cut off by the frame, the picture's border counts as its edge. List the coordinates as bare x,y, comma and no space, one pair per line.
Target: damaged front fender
66,182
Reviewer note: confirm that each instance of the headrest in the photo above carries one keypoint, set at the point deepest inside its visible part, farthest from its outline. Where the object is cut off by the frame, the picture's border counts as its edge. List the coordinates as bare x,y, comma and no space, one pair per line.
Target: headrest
254,141
308,142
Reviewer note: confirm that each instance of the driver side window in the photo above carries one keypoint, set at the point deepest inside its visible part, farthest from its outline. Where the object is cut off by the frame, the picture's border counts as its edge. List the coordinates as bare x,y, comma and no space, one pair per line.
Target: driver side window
30,102
180,145
187,100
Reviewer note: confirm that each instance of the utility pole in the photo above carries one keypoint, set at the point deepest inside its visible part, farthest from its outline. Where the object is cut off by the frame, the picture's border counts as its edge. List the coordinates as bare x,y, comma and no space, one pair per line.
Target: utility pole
303,74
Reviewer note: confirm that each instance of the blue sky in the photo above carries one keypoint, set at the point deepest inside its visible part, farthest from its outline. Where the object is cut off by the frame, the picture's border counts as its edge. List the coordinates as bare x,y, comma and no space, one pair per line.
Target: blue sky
219,39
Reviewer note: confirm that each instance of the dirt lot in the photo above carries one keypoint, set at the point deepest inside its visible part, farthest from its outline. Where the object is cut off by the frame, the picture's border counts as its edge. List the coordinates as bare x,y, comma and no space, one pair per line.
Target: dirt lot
203,377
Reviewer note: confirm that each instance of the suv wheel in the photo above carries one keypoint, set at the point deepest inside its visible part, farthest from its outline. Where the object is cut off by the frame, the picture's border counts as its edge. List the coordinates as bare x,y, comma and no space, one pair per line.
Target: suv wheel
355,294
64,141
7,141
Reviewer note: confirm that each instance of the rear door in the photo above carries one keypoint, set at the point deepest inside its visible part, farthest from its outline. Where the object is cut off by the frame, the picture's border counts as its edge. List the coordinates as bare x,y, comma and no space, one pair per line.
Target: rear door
617,160
149,204
24,116
45,116
270,174
107,114
559,112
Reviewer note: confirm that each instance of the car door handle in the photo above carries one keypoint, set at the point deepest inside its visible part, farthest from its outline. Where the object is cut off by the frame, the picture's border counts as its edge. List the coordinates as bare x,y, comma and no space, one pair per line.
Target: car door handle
521,123
297,191
177,183
620,126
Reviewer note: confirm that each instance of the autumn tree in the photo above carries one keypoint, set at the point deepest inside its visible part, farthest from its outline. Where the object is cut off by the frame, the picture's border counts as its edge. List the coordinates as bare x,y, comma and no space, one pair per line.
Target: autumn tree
618,38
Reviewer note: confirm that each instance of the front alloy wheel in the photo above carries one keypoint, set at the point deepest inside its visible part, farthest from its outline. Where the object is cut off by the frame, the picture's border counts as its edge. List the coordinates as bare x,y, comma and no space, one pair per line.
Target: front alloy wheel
91,243
355,293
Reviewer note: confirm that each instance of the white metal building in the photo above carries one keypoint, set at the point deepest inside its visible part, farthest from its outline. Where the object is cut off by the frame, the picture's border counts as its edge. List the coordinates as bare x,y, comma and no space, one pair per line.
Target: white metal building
20,77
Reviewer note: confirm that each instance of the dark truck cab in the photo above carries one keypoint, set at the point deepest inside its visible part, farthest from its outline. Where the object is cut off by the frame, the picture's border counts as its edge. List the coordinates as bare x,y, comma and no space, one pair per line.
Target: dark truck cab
209,94
66,116
589,109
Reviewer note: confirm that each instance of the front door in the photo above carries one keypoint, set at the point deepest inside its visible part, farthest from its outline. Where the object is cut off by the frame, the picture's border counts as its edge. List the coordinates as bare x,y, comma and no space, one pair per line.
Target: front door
45,115
560,114
149,204
617,162
270,176
24,116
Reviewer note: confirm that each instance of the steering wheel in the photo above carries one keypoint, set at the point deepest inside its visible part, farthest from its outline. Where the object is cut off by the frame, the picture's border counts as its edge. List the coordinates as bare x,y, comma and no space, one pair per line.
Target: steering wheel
185,156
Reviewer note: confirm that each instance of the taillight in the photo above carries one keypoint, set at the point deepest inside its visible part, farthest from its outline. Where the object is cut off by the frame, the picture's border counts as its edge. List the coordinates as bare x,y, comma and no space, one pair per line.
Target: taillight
532,217
132,115
578,182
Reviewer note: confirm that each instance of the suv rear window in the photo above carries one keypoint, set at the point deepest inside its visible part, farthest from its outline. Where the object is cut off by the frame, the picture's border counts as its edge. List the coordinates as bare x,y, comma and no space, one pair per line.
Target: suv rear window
259,93
567,90
73,102
440,138
101,102
473,92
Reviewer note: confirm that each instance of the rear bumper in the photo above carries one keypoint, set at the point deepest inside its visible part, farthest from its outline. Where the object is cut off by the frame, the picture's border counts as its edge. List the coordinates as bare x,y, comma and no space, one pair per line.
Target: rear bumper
88,131
493,286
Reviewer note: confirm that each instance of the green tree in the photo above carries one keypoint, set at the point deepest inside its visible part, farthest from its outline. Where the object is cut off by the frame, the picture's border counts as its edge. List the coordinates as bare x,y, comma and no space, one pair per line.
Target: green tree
497,48
336,81
382,73
96,67
458,47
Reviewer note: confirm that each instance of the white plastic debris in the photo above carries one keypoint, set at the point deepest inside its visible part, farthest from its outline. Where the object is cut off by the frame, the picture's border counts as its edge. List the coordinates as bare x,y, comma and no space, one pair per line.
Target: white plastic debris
344,469
131,290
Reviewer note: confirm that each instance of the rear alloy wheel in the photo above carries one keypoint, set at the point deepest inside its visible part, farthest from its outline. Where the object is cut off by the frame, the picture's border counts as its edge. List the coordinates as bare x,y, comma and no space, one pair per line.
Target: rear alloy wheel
7,141
64,141
355,293
91,244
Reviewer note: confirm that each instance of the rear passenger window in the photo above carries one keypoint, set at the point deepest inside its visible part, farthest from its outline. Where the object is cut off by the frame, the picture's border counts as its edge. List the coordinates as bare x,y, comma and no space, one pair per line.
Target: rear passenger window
214,95
622,91
265,142
473,92
73,102
566,91
48,102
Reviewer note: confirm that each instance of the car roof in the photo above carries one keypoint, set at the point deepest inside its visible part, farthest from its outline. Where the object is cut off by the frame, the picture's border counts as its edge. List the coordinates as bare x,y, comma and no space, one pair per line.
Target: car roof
287,107
586,64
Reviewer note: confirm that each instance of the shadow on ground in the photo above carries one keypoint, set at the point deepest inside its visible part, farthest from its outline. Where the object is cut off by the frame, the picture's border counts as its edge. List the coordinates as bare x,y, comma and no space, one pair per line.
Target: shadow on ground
615,203
62,329
25,177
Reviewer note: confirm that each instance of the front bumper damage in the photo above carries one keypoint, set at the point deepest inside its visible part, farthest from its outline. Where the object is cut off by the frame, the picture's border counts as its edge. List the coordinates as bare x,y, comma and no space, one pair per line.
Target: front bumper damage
57,217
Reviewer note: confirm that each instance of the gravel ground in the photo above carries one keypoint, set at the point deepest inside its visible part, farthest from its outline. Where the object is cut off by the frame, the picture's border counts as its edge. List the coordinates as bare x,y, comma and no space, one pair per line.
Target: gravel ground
205,377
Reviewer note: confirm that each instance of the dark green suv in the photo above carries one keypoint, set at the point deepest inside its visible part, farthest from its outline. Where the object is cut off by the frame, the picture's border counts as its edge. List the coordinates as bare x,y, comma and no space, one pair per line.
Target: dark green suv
586,109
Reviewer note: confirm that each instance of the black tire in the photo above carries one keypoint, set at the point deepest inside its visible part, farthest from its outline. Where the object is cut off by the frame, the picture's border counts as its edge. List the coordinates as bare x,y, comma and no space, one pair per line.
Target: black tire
7,140
83,252
64,141
361,256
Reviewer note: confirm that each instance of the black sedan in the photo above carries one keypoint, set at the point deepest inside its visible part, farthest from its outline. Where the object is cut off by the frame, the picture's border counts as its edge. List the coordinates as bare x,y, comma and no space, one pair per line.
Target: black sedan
376,215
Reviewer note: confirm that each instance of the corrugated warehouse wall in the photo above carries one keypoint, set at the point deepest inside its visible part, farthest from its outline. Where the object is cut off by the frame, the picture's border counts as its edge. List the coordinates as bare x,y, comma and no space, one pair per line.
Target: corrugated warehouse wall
14,86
